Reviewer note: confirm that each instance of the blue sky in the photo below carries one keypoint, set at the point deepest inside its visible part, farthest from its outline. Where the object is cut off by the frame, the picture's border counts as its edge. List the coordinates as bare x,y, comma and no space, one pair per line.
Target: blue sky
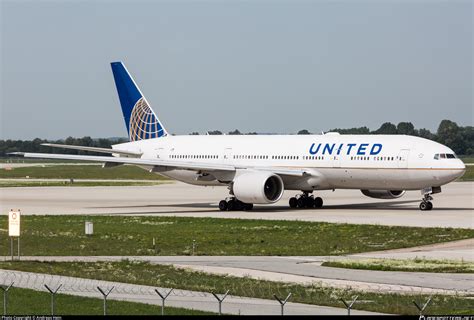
265,66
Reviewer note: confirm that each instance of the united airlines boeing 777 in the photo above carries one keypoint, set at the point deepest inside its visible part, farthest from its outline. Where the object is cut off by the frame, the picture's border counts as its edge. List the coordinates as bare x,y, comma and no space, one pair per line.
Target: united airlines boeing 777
258,168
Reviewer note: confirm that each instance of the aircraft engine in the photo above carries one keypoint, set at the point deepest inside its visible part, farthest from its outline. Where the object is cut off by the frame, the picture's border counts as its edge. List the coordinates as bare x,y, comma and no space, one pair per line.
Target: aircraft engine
383,194
258,187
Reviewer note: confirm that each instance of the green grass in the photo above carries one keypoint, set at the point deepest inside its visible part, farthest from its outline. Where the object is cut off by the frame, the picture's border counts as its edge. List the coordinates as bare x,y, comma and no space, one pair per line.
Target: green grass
469,174
31,302
125,235
410,265
467,159
168,276
110,183
80,172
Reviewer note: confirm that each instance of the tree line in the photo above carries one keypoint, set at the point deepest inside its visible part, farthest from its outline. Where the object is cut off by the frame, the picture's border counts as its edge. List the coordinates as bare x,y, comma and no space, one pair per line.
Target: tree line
458,138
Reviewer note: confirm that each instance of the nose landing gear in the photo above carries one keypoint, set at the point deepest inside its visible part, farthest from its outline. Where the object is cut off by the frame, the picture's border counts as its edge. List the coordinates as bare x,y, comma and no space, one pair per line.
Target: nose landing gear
305,200
426,204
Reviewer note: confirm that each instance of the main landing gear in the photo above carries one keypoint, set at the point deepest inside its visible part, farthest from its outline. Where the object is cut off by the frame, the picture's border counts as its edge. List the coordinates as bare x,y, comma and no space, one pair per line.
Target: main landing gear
305,200
426,204
233,204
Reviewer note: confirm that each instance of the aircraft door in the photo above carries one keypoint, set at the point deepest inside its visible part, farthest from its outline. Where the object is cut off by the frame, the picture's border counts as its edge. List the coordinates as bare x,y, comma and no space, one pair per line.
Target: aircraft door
227,154
403,158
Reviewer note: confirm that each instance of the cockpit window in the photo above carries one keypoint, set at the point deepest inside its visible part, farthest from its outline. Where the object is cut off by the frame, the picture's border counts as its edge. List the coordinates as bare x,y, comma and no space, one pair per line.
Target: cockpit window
445,156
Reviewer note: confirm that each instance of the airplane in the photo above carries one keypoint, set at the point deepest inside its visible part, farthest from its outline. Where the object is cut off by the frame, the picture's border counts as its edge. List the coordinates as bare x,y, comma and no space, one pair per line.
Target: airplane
257,169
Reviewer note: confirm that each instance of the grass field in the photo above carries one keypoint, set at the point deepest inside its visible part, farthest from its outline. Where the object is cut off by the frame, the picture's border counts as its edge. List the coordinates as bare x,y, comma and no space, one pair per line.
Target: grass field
123,235
468,175
80,172
467,159
109,183
411,265
168,276
31,302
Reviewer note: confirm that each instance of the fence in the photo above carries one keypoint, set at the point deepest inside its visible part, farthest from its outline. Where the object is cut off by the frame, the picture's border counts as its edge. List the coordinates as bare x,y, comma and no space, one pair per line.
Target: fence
103,289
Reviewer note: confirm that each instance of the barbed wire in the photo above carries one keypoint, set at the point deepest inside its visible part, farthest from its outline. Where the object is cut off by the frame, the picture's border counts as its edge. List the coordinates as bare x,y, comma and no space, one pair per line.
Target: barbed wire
71,285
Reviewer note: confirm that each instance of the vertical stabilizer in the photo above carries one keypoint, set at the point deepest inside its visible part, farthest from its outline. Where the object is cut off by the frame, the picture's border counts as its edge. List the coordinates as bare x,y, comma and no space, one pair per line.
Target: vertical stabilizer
140,119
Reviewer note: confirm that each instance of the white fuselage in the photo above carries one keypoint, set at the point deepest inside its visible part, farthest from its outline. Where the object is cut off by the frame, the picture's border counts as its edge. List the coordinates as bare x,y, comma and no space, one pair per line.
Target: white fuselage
384,162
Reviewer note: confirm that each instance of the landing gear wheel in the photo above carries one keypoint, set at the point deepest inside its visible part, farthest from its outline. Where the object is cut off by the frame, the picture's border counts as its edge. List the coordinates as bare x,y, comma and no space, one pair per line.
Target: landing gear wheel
222,205
318,202
426,206
248,206
293,202
301,202
231,205
309,202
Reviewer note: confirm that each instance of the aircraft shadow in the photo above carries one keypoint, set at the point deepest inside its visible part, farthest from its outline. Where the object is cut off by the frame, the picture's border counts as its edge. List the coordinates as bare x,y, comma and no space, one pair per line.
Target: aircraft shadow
392,205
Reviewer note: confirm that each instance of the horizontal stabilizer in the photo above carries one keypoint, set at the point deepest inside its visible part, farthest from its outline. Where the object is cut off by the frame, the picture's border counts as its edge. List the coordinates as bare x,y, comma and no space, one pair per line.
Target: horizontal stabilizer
93,149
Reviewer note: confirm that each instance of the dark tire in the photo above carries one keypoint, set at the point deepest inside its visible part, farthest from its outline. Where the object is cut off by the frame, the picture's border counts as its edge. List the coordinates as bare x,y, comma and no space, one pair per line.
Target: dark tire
248,206
309,202
301,202
430,205
231,205
222,205
318,202
424,206
239,205
293,202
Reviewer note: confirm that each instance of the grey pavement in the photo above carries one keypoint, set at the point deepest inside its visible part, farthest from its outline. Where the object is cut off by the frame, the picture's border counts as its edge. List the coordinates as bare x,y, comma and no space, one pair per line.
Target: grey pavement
454,207
178,298
305,270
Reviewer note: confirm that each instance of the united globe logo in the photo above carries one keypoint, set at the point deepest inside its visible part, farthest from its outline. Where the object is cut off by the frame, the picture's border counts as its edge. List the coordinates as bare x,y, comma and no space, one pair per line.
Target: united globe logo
144,123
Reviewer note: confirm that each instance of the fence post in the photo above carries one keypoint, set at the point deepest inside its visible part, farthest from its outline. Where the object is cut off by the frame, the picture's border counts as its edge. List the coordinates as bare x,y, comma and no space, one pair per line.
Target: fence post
349,306
53,293
220,300
105,295
282,302
163,298
422,309
5,297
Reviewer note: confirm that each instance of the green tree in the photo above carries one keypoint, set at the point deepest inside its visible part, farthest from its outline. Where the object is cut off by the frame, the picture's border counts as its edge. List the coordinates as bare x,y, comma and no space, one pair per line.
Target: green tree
451,135
406,128
425,133
386,128
304,131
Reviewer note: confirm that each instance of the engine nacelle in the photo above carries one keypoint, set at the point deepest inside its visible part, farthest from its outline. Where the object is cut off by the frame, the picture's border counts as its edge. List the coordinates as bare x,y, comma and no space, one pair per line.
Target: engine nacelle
383,194
258,187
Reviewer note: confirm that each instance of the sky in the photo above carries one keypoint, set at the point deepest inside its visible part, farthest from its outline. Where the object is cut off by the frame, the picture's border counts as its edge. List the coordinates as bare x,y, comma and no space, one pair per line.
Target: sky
264,66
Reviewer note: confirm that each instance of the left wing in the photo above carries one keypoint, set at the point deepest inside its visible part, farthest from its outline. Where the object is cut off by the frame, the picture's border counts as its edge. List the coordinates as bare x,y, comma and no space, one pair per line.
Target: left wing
164,165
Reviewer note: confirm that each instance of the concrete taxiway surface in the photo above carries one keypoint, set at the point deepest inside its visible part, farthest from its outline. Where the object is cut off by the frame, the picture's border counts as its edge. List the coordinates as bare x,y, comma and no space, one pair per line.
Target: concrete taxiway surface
454,250
178,298
304,270
454,207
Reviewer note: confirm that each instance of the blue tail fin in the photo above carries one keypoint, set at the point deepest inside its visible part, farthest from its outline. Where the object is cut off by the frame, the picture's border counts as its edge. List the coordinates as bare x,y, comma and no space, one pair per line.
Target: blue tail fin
141,121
